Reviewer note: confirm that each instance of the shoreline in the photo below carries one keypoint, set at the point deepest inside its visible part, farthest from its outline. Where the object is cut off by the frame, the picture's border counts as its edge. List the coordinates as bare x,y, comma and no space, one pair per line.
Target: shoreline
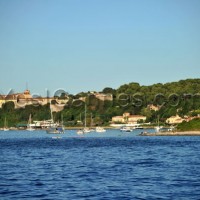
66,128
165,133
177,133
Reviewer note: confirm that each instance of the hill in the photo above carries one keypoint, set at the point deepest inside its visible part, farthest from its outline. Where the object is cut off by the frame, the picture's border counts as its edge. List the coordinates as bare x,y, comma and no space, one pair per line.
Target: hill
182,98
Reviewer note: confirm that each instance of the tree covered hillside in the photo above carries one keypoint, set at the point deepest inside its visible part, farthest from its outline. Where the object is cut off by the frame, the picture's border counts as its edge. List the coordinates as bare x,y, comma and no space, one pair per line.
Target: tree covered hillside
182,97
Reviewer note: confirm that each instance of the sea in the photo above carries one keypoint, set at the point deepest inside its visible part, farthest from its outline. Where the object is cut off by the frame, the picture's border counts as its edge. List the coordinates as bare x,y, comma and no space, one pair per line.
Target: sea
98,166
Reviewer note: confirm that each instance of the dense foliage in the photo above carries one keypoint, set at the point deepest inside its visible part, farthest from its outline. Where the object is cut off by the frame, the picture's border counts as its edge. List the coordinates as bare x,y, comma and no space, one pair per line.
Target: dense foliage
192,125
173,98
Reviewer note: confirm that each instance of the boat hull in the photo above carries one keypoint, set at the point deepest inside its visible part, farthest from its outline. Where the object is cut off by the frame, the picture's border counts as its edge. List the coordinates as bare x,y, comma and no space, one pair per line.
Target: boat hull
55,130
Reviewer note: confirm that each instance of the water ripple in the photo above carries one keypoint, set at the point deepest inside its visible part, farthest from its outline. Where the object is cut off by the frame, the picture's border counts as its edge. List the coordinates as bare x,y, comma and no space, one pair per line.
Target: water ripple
100,168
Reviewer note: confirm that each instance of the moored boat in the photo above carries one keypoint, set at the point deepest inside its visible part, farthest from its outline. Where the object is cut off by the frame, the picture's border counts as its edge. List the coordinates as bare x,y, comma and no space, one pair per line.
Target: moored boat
80,132
85,129
126,129
100,129
55,130
29,125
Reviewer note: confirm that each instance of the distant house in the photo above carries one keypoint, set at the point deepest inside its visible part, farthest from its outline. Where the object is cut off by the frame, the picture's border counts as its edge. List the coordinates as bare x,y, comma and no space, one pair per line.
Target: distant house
127,118
118,119
175,120
153,107
133,119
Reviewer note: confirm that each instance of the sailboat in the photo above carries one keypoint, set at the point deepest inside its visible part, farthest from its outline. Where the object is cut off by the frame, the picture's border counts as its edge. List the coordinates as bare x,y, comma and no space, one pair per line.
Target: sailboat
54,128
80,131
85,129
91,123
158,127
29,127
5,125
62,129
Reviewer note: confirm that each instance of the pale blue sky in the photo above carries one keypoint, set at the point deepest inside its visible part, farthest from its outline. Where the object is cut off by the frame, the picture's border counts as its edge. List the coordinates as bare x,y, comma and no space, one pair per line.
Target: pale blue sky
84,45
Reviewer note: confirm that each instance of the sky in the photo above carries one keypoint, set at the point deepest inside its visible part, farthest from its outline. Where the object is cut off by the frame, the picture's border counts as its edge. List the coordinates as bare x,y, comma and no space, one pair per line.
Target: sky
87,45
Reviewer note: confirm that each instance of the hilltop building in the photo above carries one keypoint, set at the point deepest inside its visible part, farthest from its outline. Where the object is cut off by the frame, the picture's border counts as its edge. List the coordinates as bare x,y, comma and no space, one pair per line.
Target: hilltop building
103,97
100,96
21,100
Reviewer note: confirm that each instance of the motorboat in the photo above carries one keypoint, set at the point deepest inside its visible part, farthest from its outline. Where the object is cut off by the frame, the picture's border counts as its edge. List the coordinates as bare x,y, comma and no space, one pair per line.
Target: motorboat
126,129
55,130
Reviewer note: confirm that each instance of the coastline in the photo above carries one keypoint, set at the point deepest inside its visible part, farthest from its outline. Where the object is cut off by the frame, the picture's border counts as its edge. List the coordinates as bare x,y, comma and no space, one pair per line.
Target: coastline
177,133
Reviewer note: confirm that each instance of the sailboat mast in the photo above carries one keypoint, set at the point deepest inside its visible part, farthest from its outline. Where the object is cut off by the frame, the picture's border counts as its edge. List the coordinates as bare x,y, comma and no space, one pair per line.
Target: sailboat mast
51,113
85,114
62,120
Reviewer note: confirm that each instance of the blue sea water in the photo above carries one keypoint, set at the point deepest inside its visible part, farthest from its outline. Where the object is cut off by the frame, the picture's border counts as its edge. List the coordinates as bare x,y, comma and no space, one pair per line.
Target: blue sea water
111,165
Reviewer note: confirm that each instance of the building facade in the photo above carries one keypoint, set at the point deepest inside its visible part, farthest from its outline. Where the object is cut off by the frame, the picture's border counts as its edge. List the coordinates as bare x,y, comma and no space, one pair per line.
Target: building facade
129,119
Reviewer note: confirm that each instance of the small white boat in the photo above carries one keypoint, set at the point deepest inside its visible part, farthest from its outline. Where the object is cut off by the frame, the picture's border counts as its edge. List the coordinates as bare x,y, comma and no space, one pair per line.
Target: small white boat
80,132
126,129
139,127
171,128
158,128
55,130
56,137
100,129
86,130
